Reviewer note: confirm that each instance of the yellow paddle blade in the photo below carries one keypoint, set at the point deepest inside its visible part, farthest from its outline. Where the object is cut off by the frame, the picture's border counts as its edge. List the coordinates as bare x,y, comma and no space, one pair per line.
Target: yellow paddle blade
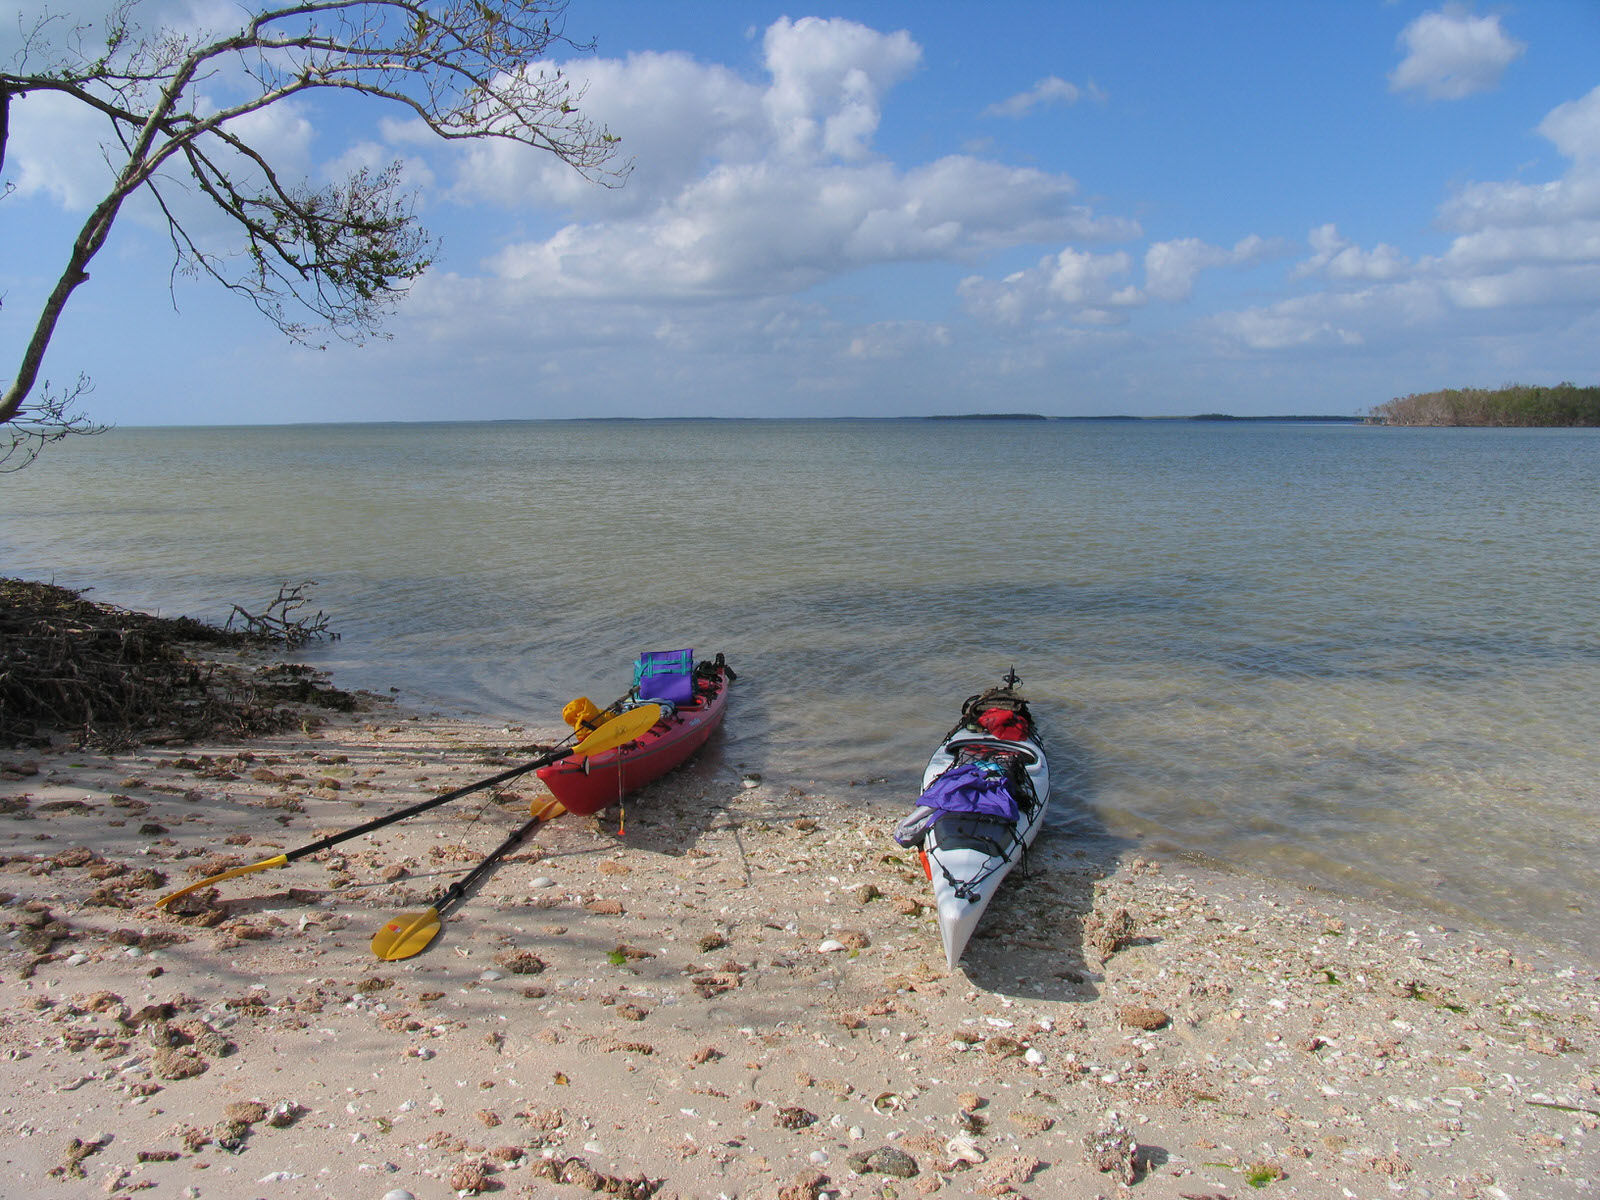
618,731
277,860
410,933
406,934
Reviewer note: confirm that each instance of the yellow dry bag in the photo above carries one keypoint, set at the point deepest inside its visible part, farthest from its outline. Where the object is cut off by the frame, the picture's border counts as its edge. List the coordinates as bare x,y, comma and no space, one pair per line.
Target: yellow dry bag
581,714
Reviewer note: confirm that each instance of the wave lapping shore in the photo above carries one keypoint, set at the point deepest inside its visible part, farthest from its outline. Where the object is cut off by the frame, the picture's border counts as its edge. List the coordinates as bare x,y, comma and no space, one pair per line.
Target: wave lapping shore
734,989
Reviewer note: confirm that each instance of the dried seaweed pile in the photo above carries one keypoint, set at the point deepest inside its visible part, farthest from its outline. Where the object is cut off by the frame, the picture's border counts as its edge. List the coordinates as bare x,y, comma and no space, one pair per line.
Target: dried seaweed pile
110,677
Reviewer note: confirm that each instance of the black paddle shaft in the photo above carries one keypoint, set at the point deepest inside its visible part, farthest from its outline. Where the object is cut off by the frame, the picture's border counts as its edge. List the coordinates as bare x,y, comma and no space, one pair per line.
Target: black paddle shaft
333,839
544,760
454,893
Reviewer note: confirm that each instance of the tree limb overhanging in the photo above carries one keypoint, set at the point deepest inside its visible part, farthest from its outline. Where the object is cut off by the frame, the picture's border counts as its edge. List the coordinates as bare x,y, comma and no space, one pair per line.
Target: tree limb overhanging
336,257
49,419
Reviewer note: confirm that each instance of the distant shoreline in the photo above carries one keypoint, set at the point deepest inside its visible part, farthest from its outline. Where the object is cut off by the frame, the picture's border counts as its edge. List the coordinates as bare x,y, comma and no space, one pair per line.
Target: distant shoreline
1104,418
1217,417
1514,407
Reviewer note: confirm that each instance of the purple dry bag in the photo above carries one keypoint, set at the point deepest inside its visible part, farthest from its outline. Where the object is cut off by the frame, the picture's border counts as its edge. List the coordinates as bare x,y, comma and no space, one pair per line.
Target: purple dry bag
972,788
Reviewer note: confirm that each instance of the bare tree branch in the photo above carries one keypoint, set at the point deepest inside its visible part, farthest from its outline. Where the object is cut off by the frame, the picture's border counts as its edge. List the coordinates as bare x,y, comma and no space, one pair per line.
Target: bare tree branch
48,419
342,255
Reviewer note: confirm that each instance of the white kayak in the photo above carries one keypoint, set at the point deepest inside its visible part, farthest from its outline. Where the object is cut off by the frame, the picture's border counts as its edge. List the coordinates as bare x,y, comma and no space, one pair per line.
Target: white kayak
984,796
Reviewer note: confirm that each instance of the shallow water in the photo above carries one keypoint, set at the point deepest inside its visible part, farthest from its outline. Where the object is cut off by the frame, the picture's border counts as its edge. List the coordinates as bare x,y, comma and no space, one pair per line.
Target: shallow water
1360,657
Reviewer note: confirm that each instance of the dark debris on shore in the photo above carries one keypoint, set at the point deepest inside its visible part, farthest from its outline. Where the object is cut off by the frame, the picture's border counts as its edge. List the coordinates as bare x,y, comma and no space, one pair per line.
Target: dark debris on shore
99,675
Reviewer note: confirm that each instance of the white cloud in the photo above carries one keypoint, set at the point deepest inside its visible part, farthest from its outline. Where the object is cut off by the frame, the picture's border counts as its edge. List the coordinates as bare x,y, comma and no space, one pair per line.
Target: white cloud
1574,127
1269,330
54,150
1451,54
897,339
827,79
1481,206
745,191
1528,246
1091,289
741,188
1071,285
283,133
416,175
1300,323
1049,90
1171,268
678,118
60,147
1498,248
674,115
996,205
1080,278
1528,285
1340,259
1508,232
760,228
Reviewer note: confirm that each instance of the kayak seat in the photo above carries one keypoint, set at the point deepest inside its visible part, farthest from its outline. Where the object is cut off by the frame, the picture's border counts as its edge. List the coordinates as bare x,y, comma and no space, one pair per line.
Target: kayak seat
665,675
969,747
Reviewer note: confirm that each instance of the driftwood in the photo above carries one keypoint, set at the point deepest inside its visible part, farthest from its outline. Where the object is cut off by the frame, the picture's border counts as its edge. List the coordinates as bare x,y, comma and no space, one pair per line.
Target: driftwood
106,676
281,622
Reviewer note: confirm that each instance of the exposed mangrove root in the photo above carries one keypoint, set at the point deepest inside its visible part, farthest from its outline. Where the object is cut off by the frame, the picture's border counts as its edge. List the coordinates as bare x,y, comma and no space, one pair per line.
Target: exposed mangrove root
106,676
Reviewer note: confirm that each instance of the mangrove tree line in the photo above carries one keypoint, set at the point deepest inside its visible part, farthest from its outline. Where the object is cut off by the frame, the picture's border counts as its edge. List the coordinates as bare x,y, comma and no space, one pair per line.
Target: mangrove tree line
1513,405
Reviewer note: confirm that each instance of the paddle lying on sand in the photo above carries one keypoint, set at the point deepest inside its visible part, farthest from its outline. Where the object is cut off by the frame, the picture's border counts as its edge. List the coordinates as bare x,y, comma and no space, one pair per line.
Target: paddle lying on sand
615,732
410,932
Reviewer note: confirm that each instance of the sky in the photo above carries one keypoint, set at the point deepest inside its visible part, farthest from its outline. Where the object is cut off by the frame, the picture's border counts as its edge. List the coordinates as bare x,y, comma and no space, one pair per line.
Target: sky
1075,208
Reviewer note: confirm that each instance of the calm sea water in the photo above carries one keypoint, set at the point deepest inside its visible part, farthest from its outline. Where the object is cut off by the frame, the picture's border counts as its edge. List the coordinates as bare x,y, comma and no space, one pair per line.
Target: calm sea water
1357,657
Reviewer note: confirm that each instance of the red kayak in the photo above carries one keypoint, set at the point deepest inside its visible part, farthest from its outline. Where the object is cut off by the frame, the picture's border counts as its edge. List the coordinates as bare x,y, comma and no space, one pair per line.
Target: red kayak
692,708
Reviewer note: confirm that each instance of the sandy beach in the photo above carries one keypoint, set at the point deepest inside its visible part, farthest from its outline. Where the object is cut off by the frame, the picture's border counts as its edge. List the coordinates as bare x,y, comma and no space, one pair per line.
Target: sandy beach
730,989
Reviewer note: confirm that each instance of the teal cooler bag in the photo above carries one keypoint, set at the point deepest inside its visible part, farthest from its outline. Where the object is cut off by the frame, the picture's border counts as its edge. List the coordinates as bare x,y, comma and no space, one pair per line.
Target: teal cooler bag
665,675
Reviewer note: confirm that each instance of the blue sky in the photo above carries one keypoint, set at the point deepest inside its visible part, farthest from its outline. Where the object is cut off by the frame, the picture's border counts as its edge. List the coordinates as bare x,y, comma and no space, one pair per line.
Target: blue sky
888,209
